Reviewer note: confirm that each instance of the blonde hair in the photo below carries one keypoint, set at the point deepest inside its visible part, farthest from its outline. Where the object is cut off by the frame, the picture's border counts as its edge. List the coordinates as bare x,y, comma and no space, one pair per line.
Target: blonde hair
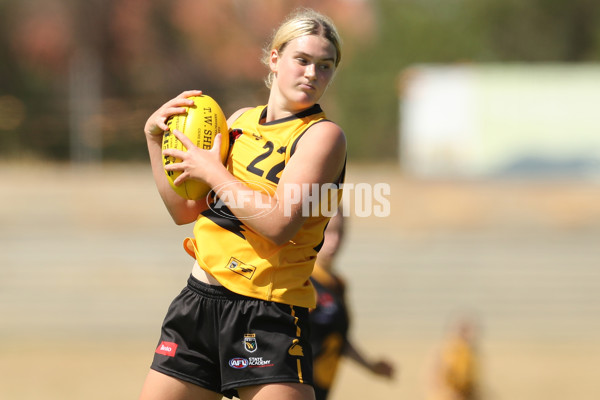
302,22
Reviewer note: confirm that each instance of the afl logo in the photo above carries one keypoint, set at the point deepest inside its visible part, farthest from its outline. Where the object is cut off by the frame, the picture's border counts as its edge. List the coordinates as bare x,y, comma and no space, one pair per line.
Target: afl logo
257,196
238,363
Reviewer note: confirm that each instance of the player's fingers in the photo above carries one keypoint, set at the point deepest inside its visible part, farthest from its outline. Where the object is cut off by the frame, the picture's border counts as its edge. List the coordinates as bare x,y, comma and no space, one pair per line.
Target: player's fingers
189,93
161,123
216,144
178,102
174,110
180,179
184,139
173,153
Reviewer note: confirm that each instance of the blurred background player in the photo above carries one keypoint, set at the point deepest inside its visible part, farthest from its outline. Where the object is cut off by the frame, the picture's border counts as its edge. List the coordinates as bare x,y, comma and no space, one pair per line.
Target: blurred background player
454,372
330,320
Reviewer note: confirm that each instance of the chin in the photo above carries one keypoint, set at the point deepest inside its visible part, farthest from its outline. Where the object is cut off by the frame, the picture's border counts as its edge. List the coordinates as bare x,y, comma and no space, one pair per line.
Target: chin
307,96
304,102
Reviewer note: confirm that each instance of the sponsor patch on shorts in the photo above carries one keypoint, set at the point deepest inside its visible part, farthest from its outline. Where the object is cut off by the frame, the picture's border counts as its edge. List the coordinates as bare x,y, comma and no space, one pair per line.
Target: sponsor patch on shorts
167,349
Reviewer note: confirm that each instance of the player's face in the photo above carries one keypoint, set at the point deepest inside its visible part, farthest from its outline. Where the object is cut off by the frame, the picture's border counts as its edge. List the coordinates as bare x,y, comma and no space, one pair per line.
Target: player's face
304,69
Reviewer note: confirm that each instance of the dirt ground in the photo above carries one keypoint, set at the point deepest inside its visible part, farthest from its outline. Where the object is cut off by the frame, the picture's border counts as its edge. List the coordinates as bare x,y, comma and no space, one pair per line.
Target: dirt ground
89,261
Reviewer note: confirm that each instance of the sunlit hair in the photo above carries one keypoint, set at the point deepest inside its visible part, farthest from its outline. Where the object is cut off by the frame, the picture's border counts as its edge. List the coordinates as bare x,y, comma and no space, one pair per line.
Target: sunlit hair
302,22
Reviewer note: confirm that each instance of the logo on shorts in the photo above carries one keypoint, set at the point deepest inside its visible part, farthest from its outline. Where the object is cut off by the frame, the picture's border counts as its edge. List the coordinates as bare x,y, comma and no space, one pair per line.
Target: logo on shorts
296,349
250,343
238,363
167,349
259,362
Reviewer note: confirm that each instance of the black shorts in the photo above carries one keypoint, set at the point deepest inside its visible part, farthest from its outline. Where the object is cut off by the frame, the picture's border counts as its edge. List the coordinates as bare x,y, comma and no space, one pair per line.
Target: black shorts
221,341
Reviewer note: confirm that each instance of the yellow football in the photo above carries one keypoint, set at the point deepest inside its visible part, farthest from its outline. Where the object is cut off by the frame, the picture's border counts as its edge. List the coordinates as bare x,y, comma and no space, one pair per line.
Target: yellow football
201,124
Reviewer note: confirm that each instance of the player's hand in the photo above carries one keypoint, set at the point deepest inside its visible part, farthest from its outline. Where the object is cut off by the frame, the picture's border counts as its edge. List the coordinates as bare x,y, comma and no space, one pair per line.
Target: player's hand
156,125
196,163
383,368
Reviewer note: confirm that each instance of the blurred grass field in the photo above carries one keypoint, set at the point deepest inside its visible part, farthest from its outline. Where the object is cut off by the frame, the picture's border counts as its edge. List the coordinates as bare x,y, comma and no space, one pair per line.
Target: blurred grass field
89,262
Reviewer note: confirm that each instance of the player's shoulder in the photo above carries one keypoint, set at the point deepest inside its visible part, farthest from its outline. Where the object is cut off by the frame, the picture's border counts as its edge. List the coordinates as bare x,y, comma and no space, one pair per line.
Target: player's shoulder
324,134
233,117
325,126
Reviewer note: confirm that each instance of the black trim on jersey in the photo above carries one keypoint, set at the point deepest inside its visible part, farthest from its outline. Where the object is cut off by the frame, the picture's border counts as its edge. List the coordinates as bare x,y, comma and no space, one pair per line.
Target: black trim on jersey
234,134
293,148
317,248
316,109
342,178
339,182
226,220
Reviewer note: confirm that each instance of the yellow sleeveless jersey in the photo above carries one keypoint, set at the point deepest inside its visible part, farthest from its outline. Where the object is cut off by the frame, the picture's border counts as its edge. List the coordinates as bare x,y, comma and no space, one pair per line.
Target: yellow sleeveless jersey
460,361
239,258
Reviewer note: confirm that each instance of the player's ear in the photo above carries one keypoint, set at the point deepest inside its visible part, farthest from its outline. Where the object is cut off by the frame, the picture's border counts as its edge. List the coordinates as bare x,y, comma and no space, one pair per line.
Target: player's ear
273,60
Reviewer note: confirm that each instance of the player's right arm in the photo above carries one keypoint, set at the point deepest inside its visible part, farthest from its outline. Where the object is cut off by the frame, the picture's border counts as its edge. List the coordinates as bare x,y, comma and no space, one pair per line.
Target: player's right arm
181,210
379,367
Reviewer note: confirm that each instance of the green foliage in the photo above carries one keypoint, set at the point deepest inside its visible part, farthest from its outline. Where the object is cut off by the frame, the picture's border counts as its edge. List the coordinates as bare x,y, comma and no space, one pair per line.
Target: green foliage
148,57
368,88
453,31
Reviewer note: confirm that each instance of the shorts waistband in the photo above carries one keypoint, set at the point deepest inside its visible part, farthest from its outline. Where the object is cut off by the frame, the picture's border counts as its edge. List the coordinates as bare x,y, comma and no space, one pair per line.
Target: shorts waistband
214,291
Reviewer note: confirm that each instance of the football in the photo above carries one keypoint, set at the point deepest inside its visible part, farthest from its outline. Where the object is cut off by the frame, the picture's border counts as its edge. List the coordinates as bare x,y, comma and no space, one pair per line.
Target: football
201,124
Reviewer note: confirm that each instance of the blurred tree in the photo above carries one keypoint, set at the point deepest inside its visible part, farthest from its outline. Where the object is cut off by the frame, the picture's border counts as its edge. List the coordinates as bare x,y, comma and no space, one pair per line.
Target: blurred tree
143,52
539,30
36,38
408,32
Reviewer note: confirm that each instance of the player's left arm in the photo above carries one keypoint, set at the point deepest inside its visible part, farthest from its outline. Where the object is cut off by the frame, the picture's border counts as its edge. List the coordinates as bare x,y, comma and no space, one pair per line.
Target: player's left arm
319,159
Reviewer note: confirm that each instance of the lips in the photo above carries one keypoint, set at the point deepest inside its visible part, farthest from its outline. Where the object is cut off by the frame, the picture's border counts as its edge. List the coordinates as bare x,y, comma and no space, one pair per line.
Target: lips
307,86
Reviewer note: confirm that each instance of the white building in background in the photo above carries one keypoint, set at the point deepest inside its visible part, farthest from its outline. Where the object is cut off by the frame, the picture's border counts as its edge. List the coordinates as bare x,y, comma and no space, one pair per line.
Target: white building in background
479,121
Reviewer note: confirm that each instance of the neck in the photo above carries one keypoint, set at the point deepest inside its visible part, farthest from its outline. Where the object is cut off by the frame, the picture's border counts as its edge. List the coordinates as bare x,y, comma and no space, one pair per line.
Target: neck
276,111
279,107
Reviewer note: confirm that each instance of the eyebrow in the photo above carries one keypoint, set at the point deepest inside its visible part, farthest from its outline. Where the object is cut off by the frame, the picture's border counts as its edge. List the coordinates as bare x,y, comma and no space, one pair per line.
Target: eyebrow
301,53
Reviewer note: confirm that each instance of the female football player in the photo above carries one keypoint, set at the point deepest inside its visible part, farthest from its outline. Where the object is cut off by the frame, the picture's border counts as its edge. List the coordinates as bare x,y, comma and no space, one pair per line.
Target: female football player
454,370
240,326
